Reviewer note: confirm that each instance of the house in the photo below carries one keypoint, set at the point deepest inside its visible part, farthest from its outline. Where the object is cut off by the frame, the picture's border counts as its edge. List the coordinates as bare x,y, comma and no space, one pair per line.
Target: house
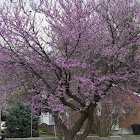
125,126
46,118
126,117
46,121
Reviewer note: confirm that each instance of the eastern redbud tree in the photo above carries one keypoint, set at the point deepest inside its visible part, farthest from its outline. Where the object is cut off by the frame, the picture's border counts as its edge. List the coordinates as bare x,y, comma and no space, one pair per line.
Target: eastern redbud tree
67,54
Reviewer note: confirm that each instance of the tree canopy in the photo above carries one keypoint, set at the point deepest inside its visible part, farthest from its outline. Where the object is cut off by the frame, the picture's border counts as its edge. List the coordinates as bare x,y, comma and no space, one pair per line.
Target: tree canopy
69,53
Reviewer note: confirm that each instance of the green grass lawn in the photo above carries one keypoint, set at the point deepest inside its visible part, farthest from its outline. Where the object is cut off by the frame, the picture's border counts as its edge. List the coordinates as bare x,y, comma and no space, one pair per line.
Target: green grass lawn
48,137
129,136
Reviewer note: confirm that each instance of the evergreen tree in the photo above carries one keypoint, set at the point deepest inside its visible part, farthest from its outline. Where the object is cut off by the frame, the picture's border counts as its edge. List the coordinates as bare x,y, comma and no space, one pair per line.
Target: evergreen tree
18,124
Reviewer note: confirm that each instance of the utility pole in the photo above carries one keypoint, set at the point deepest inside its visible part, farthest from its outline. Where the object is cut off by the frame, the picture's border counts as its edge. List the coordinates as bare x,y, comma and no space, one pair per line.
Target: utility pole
0,119
31,122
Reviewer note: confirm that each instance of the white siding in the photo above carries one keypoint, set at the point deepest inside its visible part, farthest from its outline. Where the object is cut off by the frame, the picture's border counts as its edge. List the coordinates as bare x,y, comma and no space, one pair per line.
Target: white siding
46,118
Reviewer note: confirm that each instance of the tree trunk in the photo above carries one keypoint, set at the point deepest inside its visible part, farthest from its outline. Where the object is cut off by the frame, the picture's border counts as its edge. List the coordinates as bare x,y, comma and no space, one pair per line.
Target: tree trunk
71,134
59,131
60,127
69,137
89,123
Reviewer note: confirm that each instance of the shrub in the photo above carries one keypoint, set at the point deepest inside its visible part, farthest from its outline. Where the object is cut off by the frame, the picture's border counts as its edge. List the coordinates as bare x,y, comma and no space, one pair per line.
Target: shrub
42,130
